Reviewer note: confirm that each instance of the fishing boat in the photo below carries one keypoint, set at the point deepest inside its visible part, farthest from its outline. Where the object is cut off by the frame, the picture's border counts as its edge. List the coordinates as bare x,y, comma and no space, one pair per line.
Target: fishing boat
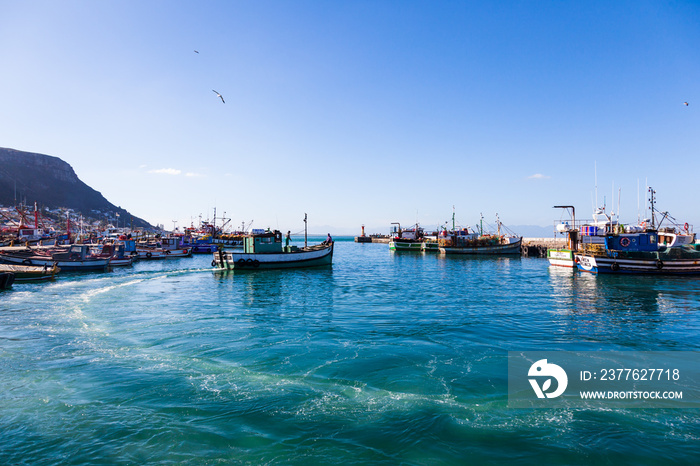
73,258
116,251
466,241
264,250
412,239
644,249
163,248
30,272
640,253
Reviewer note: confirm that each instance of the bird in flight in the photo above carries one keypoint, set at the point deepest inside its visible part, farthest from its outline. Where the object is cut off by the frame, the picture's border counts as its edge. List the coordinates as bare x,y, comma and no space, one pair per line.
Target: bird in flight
686,103
196,51
220,96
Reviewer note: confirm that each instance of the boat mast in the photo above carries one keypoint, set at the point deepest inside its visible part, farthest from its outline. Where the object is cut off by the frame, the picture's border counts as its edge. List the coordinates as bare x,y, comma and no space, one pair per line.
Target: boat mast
453,218
652,201
305,230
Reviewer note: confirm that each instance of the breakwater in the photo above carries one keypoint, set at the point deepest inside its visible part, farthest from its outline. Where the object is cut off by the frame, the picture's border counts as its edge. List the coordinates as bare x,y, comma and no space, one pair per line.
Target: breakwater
537,247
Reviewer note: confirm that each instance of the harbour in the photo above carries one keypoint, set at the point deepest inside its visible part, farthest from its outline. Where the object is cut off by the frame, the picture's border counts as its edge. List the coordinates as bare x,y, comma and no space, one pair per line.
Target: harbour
349,233
402,362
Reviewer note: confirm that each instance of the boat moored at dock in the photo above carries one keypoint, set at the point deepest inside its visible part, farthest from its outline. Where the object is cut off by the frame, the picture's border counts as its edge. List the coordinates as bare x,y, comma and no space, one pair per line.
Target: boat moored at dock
640,253
73,258
25,273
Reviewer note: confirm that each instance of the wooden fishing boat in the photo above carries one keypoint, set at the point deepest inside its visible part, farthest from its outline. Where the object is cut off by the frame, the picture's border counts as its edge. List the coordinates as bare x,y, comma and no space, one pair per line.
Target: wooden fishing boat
24,273
73,258
474,243
466,241
163,248
116,251
265,251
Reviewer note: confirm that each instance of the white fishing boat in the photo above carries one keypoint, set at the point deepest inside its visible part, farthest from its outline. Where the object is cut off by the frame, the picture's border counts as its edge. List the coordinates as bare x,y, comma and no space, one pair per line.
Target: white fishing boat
265,251
73,258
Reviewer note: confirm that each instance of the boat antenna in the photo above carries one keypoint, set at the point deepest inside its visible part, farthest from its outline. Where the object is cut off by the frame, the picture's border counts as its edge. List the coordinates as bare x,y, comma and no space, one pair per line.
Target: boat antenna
639,218
453,218
652,201
619,193
305,230
595,168
481,224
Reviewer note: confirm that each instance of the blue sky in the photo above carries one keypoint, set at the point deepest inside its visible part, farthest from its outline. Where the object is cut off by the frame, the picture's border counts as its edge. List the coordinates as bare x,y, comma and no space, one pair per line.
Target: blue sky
359,112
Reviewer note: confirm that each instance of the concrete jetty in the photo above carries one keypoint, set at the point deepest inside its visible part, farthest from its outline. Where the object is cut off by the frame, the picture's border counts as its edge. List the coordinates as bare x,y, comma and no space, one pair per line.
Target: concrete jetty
537,247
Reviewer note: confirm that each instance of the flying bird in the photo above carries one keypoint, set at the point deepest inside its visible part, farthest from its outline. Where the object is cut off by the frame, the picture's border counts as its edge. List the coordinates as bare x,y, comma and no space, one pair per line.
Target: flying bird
196,51
220,96
686,103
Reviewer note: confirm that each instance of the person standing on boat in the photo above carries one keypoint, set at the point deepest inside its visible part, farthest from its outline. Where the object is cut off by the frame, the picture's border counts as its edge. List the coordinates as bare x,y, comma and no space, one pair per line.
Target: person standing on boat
288,238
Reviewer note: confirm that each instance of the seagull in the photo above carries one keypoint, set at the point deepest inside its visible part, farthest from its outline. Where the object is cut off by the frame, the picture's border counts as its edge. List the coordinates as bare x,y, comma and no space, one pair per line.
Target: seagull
220,96
196,51
686,103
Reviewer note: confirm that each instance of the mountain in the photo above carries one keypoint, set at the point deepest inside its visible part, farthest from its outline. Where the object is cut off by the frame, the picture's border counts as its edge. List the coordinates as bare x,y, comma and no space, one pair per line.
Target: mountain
52,183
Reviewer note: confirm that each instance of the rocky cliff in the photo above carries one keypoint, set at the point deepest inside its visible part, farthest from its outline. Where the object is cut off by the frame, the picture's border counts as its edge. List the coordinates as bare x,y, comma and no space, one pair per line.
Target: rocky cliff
52,183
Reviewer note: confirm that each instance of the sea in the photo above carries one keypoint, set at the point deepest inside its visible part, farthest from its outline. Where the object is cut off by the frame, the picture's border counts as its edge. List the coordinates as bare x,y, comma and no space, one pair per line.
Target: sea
383,358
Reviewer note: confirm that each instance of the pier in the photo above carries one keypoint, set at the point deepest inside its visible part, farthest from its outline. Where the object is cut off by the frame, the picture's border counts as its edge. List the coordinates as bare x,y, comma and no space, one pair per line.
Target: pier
537,247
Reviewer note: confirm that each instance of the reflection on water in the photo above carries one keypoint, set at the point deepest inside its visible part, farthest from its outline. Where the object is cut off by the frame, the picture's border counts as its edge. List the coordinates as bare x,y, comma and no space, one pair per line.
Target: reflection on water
635,311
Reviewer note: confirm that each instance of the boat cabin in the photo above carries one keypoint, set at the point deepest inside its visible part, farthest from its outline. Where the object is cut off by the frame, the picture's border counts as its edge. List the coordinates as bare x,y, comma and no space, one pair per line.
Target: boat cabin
633,242
266,242
76,252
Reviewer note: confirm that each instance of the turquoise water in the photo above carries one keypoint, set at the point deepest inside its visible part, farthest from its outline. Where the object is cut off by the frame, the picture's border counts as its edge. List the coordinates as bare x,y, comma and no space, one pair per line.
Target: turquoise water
385,358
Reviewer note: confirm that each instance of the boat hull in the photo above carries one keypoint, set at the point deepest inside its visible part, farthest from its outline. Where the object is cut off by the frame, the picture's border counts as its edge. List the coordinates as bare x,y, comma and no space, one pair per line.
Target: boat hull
654,266
309,257
410,246
561,258
508,248
64,265
29,273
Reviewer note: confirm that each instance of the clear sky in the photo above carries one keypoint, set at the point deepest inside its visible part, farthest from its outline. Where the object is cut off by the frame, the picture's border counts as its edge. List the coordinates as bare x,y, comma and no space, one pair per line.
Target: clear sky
359,112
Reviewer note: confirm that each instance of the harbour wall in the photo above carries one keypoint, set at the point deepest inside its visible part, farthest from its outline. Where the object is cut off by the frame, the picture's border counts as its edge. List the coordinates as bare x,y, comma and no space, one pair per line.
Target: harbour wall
537,247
